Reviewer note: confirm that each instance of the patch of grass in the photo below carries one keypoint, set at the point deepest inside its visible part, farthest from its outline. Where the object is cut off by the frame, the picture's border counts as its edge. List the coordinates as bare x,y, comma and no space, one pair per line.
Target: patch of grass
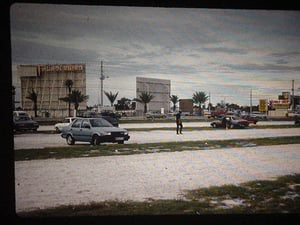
265,196
129,149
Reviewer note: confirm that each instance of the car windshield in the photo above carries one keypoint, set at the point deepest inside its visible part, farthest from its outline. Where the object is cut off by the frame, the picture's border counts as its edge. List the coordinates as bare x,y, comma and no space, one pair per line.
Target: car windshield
22,118
100,123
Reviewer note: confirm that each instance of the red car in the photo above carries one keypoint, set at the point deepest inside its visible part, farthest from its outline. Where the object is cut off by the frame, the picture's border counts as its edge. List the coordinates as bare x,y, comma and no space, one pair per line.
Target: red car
250,119
234,122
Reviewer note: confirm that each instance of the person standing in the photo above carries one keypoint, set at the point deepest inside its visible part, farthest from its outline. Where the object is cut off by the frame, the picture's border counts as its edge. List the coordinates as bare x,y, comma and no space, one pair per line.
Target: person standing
178,123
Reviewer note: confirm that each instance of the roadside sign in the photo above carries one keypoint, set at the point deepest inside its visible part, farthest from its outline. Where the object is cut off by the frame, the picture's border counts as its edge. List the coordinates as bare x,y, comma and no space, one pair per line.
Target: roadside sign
263,105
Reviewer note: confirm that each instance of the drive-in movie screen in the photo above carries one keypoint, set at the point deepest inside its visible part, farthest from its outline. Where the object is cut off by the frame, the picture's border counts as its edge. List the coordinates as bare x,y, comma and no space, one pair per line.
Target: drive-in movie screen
154,110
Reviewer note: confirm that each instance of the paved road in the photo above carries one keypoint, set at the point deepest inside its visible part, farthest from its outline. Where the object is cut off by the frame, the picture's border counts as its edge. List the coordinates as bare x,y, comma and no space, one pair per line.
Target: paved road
49,183
38,140
186,124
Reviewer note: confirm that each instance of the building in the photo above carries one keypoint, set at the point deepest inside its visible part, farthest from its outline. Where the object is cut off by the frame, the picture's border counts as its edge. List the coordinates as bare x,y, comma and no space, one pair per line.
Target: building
186,105
48,81
286,103
159,88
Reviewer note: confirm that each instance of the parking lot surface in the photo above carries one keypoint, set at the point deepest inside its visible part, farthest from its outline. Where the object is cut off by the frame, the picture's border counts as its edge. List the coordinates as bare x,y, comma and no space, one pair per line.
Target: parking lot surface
55,182
50,183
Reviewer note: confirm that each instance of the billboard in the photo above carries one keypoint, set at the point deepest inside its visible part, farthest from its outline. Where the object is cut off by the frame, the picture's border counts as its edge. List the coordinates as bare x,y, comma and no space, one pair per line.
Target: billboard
263,105
280,104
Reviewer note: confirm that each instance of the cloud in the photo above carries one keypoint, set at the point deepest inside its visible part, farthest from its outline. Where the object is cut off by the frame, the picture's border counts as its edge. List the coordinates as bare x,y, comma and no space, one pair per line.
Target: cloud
277,68
238,51
208,49
30,52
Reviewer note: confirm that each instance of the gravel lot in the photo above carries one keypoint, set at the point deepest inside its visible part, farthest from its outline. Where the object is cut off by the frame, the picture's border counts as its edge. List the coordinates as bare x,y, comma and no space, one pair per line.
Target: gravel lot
48,183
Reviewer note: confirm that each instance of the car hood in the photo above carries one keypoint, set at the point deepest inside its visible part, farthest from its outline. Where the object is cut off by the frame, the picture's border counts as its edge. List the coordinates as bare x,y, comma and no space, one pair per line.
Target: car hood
26,122
109,129
240,120
61,124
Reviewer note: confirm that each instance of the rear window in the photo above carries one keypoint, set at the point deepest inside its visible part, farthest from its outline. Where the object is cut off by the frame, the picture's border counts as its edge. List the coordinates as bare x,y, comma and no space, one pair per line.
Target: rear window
76,123
100,123
22,118
66,121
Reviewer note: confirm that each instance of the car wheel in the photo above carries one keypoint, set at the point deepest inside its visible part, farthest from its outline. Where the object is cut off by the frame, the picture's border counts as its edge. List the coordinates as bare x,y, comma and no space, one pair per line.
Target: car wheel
120,142
214,125
70,140
57,130
95,140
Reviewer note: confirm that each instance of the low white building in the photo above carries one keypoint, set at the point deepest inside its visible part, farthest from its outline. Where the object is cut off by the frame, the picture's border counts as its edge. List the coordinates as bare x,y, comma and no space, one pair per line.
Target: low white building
159,88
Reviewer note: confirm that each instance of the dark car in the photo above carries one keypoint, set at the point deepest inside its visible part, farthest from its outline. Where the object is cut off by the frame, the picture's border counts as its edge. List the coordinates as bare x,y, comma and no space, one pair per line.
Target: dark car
234,122
110,117
24,123
95,131
297,122
112,120
250,119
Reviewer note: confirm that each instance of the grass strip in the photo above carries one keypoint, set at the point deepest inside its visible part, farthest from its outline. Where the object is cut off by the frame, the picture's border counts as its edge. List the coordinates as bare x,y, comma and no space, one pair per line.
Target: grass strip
261,196
130,149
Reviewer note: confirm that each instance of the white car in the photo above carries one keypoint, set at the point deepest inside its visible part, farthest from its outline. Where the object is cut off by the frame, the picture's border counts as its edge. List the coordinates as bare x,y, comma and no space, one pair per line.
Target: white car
67,121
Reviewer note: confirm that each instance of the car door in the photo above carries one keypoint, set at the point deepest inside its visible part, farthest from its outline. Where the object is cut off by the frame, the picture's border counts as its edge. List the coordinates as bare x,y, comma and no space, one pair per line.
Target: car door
86,130
75,129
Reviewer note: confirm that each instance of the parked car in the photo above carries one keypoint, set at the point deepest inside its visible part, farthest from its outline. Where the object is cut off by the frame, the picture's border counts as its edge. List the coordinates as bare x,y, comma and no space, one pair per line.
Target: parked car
152,115
234,122
297,121
217,113
112,120
24,123
250,119
259,115
95,131
58,127
20,113
110,117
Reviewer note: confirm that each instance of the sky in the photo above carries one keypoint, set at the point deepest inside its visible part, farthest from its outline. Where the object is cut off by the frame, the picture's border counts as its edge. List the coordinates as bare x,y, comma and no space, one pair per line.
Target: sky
225,53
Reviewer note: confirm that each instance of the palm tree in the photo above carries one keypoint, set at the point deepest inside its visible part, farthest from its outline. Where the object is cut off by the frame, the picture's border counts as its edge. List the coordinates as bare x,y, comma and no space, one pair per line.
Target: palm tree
111,97
33,97
144,98
123,104
200,98
75,97
174,99
69,84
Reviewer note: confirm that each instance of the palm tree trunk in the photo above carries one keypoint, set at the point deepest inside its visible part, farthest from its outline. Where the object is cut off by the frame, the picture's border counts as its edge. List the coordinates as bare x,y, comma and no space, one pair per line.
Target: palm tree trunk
35,108
69,101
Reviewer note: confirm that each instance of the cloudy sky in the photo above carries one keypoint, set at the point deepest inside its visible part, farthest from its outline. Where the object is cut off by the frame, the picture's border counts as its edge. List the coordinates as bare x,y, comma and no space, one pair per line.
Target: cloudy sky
224,52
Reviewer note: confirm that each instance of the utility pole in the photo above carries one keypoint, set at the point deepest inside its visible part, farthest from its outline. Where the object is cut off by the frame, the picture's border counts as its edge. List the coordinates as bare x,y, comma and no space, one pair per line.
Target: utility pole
101,87
250,100
102,77
292,100
208,101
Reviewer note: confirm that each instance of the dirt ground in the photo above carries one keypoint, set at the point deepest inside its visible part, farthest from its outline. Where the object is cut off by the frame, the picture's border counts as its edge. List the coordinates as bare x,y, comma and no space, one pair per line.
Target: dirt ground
49,183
